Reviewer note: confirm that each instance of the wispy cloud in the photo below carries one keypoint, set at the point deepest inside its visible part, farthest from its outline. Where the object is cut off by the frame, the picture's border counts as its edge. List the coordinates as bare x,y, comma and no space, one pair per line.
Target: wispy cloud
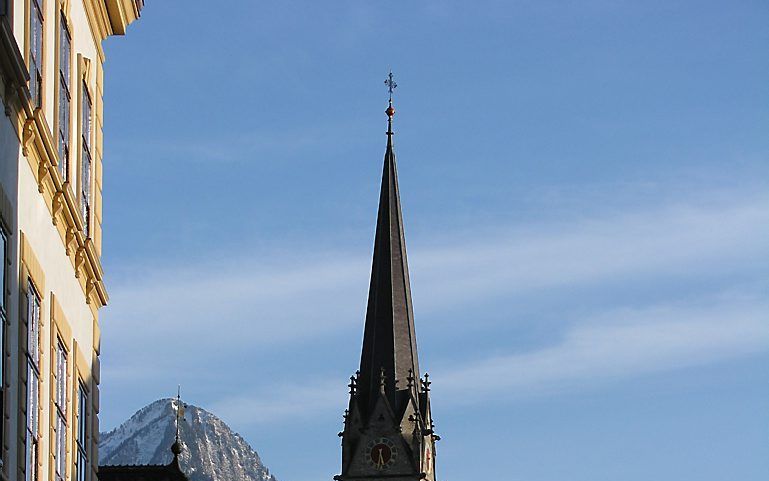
613,345
675,241
279,401
256,301
266,300
617,344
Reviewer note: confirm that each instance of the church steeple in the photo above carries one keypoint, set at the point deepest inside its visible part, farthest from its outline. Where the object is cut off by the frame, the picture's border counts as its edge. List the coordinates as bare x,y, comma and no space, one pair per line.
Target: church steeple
388,428
389,339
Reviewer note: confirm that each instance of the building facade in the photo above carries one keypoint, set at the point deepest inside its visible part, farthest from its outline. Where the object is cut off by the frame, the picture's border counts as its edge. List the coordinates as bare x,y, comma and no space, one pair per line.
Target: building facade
388,428
51,148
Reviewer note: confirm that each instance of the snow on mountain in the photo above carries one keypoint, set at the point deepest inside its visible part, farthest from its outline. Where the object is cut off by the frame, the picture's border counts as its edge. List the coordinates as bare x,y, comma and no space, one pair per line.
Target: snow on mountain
211,451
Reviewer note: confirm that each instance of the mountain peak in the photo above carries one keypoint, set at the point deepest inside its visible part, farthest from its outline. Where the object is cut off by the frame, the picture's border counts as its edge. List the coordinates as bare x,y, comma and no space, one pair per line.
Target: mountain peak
211,451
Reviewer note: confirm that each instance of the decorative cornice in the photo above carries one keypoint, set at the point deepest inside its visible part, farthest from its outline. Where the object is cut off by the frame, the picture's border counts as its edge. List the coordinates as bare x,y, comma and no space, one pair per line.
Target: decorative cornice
98,9
122,13
27,136
41,153
69,238
56,206
97,25
112,17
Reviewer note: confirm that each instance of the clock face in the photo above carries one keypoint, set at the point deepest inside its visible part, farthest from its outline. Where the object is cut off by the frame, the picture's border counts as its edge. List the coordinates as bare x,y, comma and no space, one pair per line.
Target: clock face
381,453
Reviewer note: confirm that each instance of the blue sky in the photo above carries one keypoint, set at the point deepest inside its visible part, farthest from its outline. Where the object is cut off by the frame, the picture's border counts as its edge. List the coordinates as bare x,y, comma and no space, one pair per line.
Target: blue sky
585,195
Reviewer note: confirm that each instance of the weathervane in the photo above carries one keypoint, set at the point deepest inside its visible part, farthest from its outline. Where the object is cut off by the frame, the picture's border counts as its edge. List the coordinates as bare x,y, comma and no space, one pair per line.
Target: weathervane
391,85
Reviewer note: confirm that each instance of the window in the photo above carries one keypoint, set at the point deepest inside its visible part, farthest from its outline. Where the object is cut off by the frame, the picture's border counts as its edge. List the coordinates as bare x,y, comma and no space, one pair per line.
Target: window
85,174
33,381
33,325
65,100
33,440
4,259
82,433
60,401
36,52
3,314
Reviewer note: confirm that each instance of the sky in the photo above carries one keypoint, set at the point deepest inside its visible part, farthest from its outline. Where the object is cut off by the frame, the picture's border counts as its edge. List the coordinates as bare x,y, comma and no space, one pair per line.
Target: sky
586,204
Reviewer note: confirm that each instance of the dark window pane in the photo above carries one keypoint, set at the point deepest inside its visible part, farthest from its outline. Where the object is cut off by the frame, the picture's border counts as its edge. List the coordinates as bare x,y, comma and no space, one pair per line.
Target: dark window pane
32,422
33,324
64,98
64,137
82,417
85,174
65,50
3,313
36,52
4,259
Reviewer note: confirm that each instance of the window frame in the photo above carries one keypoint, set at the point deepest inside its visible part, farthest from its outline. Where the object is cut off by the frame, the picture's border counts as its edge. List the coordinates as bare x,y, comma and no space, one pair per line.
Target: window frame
32,433
32,426
61,399
36,25
3,324
81,434
86,158
64,97
3,274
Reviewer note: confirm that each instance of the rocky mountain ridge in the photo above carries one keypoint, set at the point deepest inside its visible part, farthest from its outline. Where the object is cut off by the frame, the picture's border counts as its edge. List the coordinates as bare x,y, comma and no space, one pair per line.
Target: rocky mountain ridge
211,451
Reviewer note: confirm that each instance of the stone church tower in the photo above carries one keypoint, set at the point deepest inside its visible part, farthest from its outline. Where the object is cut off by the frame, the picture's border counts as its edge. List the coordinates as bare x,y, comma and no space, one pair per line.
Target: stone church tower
388,429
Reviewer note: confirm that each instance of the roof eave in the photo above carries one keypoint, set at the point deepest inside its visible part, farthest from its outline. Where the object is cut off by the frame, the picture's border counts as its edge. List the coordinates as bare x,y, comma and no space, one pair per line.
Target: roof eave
122,13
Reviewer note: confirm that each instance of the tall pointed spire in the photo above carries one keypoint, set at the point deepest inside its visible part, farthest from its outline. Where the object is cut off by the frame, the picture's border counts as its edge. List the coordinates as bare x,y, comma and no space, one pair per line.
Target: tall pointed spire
389,341
388,429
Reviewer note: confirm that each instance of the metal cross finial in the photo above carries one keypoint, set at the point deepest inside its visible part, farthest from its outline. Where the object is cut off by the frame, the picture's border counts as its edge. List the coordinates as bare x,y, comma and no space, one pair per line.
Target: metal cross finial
178,403
391,85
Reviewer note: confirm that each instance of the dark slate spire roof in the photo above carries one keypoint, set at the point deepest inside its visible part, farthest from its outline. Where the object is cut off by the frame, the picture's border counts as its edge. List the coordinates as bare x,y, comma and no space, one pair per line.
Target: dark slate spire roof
389,340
